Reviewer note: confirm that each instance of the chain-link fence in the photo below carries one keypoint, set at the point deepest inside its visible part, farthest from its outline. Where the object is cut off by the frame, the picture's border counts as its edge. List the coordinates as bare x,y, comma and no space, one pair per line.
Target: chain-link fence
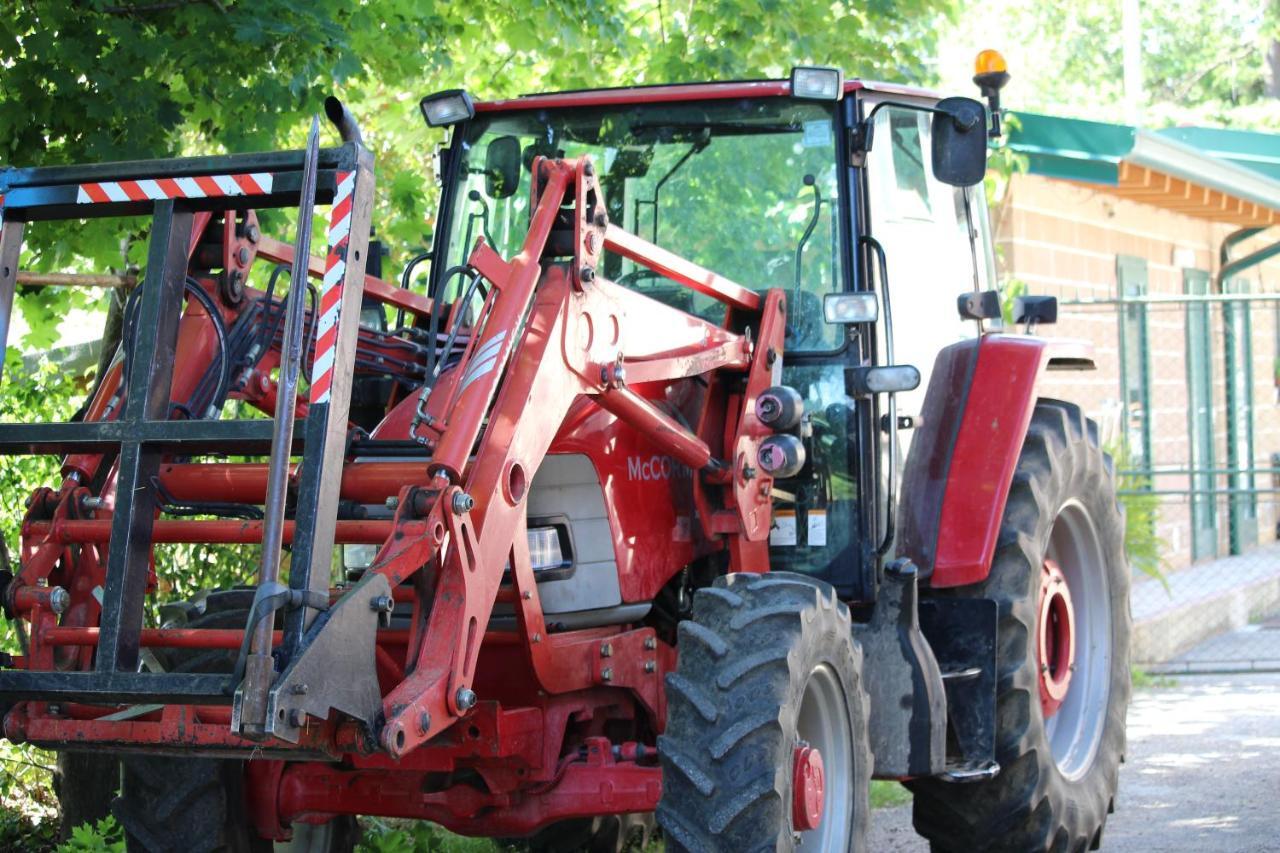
1187,398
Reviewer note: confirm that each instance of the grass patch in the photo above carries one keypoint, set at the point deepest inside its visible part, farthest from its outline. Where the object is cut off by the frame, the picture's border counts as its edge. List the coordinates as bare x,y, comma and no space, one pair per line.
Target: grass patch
886,794
383,835
1143,680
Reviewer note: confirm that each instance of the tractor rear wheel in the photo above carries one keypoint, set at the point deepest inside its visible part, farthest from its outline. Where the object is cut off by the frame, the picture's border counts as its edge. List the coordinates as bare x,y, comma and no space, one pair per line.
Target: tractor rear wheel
766,740
197,805
1062,585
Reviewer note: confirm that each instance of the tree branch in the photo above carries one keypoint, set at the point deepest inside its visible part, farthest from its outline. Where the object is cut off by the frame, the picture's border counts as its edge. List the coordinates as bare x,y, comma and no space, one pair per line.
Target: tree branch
160,7
1191,84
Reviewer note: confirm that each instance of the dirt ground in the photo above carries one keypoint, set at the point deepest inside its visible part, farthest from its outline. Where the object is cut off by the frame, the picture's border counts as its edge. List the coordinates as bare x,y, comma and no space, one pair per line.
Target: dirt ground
1202,775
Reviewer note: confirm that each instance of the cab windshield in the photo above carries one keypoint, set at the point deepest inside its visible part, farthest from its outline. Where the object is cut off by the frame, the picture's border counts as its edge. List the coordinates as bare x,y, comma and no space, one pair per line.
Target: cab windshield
746,188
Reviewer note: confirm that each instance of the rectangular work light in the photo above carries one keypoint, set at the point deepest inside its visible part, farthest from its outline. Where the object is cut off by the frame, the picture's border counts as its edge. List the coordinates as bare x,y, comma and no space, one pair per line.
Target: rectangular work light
448,107
890,379
845,309
817,83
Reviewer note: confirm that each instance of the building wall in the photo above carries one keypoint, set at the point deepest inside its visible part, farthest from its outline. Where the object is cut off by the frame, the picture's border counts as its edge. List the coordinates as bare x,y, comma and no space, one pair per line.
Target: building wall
1063,239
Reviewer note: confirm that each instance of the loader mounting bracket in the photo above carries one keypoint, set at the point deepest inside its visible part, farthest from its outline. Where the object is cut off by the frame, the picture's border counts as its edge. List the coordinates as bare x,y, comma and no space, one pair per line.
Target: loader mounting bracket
334,669
908,723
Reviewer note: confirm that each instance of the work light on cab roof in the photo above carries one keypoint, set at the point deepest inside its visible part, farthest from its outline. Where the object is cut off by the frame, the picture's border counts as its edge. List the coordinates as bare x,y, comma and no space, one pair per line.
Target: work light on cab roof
447,108
817,82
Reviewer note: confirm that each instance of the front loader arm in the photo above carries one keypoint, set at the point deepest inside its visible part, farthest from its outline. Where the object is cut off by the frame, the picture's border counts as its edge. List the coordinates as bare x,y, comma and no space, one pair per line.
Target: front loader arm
574,336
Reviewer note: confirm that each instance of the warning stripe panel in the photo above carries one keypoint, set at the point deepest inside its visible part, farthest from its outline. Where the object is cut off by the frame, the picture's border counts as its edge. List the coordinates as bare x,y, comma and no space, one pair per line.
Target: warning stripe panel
331,290
154,189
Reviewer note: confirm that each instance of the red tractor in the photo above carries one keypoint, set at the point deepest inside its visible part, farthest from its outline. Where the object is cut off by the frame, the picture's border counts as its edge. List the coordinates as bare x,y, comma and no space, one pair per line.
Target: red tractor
587,534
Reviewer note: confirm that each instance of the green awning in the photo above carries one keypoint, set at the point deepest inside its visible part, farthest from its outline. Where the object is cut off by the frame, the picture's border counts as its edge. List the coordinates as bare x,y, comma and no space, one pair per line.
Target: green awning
1224,175
1250,149
1072,149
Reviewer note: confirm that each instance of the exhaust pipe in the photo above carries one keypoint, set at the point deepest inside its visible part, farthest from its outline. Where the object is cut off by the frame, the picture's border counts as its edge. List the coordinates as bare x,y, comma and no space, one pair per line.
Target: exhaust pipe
342,120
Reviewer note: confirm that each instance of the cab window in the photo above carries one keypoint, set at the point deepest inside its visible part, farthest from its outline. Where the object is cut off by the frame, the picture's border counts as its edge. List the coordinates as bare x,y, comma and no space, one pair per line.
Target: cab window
933,247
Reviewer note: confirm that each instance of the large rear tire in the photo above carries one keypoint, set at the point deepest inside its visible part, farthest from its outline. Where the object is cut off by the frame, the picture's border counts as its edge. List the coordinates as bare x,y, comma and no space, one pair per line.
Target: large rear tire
767,666
1059,760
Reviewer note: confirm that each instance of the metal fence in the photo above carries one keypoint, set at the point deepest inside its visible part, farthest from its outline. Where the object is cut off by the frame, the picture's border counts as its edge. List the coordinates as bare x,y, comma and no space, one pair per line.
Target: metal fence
1187,397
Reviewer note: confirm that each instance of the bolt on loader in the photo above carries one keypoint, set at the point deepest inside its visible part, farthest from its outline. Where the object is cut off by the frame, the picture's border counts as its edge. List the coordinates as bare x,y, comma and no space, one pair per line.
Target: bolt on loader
702,484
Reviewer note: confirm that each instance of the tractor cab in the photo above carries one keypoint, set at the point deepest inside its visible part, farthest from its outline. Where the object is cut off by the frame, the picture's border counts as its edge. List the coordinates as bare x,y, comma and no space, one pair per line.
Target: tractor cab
846,195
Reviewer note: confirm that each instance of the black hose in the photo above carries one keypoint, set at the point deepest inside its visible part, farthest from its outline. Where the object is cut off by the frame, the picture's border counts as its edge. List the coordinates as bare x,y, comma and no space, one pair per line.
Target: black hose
220,329
407,276
809,181
453,332
267,340
437,306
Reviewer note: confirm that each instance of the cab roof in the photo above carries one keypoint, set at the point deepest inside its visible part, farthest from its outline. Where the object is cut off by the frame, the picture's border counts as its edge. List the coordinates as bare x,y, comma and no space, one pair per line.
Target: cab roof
674,92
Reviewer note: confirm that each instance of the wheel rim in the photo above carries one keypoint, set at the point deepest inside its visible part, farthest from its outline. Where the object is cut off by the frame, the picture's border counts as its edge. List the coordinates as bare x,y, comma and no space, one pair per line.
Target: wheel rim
1075,729
823,723
1055,646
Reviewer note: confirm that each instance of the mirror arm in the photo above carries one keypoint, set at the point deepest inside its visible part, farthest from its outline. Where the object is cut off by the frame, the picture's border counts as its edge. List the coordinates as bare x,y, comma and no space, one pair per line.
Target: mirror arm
860,137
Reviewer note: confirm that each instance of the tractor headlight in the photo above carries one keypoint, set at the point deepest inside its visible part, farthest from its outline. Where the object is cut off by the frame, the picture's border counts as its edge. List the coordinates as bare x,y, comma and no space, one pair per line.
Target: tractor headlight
545,551
358,557
817,83
449,107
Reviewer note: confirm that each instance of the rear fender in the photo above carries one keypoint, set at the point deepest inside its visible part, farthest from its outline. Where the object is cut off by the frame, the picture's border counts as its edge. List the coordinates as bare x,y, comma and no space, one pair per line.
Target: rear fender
957,476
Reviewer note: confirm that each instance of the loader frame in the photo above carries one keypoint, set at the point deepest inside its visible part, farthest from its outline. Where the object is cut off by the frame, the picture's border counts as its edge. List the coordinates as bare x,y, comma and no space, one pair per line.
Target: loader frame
550,330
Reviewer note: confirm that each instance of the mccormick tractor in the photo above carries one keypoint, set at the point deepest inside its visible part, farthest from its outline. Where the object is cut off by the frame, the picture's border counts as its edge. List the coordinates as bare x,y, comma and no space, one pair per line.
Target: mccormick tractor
649,509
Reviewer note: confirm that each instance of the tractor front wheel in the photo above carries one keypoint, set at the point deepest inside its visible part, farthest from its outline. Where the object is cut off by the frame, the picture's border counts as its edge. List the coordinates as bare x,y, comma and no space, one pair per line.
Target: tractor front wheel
1062,585
188,804
766,739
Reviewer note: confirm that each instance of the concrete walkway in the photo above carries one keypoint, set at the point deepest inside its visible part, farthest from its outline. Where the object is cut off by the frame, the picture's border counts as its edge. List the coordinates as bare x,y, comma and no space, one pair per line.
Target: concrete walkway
1202,772
1204,601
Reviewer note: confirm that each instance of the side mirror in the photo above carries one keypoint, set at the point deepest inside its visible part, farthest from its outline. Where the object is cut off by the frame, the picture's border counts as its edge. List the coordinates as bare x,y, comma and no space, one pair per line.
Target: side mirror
959,141
1035,309
502,167
979,305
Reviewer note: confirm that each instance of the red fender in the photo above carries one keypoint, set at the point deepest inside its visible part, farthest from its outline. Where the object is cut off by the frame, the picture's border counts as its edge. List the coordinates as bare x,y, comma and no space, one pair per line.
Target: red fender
957,476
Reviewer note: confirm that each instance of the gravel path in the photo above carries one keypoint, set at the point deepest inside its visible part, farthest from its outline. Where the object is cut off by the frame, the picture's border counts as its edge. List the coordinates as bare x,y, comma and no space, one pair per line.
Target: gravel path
1203,772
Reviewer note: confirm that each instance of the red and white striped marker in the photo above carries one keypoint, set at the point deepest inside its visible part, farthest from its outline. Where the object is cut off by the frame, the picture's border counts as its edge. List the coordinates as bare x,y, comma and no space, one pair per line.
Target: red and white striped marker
156,189
335,270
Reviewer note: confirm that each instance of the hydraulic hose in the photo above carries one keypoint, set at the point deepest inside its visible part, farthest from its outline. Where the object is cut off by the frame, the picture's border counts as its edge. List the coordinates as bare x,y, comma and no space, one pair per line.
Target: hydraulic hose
220,329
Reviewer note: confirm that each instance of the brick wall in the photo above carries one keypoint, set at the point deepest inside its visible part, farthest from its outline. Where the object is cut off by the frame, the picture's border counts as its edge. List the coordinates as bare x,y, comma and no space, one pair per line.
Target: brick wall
1063,239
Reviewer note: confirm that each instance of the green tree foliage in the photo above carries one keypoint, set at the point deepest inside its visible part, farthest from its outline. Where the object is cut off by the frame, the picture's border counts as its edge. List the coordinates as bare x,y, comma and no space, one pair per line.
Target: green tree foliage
1209,62
125,79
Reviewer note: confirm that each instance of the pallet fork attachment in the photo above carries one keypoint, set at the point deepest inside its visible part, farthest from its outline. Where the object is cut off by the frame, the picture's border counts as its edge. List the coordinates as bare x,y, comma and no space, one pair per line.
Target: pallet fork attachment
181,194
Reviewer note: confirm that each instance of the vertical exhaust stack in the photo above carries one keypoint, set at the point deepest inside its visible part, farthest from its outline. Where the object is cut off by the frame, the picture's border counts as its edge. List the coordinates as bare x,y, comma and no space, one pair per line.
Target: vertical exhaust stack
343,121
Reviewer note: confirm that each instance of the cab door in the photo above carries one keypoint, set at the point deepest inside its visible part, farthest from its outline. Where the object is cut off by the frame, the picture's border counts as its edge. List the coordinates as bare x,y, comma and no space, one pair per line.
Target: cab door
935,239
